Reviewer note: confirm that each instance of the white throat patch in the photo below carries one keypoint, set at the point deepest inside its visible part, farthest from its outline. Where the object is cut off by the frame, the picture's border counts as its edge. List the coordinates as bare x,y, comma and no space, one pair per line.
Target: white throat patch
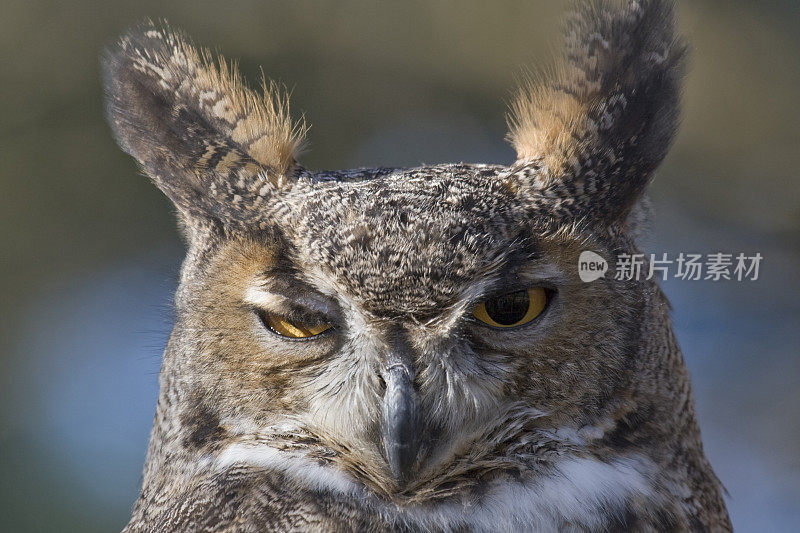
578,491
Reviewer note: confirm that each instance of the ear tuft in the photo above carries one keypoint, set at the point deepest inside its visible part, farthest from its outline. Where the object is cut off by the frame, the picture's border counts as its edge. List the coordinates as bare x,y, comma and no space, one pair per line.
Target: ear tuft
207,140
604,117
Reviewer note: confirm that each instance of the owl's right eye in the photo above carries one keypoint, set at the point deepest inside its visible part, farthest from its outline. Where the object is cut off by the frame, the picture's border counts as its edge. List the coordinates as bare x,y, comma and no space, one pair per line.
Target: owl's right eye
512,309
292,329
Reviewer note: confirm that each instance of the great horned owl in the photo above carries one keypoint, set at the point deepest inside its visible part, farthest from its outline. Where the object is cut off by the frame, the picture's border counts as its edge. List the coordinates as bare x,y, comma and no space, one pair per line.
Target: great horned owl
394,349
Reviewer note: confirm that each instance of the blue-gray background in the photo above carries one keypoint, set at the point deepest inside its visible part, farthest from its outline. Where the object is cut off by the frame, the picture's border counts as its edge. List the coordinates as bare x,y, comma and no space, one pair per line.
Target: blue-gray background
89,251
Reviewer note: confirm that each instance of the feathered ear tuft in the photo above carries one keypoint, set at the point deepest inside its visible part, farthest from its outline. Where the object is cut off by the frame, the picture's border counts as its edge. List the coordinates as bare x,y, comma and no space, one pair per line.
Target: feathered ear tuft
210,143
599,123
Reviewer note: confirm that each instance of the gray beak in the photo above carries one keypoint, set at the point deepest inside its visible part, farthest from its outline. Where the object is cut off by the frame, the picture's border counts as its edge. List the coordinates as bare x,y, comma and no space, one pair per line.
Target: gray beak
401,427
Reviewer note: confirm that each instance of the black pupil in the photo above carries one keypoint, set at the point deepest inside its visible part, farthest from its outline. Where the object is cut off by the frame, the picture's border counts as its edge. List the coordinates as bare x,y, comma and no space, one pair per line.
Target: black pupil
508,309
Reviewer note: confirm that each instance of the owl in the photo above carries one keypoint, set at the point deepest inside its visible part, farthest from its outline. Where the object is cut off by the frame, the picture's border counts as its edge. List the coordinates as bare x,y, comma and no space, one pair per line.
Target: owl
413,349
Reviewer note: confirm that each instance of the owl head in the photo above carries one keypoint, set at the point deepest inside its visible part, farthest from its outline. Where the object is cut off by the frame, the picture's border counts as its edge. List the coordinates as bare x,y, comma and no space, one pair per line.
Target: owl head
418,329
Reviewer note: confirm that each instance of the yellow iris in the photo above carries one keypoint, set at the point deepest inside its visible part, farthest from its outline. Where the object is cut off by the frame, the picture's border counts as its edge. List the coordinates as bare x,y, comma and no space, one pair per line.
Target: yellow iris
293,330
512,309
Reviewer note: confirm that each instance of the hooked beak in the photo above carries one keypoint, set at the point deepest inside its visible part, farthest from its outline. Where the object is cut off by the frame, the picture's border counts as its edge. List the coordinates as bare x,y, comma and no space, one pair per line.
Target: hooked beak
401,421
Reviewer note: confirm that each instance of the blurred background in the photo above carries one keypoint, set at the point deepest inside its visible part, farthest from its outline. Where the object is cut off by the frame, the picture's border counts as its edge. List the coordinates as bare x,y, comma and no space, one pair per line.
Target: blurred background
89,251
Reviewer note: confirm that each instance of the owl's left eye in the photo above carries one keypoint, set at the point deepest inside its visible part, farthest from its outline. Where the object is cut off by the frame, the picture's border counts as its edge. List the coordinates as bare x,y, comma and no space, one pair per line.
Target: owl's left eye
293,329
512,309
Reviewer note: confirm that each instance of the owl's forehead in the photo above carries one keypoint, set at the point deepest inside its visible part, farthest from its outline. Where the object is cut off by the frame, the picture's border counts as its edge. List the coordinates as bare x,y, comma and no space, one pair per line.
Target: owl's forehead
407,241
443,193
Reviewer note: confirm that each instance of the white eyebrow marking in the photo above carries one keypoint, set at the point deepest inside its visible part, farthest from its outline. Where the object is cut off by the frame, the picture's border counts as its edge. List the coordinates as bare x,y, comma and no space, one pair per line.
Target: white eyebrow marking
547,271
263,298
